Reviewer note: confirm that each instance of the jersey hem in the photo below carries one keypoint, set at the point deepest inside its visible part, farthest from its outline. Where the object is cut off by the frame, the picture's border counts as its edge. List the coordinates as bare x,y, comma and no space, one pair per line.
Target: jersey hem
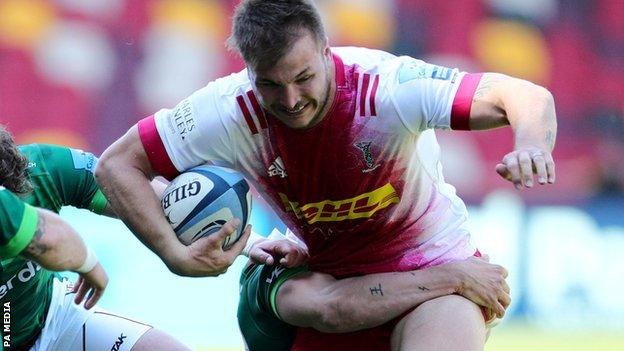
98,203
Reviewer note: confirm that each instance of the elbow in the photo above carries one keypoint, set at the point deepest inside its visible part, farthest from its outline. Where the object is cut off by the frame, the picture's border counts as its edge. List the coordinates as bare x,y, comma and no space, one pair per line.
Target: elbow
540,93
546,96
104,168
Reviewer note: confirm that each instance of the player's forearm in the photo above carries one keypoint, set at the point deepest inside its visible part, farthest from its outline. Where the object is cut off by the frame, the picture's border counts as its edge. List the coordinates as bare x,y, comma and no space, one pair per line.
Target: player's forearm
56,245
368,301
530,110
132,198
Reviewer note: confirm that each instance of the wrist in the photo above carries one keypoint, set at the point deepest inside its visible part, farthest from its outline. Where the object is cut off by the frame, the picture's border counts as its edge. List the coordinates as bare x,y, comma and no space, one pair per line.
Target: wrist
89,263
253,239
454,278
174,255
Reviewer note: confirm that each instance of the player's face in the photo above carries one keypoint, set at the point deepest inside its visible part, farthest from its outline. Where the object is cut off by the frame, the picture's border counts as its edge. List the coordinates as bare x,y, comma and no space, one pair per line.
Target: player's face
298,89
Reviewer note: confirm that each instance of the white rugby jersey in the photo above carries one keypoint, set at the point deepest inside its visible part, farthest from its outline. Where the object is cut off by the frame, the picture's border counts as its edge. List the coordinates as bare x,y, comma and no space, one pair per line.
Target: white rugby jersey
364,187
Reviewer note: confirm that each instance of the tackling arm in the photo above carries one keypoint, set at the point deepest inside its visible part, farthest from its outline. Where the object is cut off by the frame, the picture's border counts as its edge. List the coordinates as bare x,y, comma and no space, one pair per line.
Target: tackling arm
530,110
57,246
336,306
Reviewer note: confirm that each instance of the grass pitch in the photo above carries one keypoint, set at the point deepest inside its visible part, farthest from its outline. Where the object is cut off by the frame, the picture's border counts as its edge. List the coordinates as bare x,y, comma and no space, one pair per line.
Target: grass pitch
523,338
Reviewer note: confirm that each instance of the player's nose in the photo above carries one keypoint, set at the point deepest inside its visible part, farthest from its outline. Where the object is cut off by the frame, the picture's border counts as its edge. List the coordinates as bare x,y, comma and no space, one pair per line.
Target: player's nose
290,97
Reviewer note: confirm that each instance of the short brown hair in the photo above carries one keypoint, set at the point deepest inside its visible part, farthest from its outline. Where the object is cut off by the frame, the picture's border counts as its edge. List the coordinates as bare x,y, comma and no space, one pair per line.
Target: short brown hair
13,165
264,30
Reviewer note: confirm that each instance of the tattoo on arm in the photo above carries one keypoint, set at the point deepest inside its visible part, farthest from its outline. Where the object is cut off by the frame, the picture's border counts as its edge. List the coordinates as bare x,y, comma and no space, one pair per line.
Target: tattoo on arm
36,247
423,288
376,290
485,86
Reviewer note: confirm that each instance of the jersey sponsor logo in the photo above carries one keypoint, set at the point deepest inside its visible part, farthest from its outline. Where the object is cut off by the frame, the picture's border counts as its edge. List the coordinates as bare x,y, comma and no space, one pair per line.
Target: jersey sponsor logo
277,168
419,70
118,343
29,271
254,116
183,119
83,160
275,273
364,146
367,93
361,206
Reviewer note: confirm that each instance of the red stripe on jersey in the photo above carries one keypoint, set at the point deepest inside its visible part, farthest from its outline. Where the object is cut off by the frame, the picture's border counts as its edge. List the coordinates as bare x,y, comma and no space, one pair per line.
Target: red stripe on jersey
460,112
363,93
155,149
339,68
373,110
247,114
257,109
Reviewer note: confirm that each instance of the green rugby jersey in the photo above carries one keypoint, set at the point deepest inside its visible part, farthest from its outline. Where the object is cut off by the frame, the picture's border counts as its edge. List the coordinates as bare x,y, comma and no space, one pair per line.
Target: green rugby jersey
60,176
18,222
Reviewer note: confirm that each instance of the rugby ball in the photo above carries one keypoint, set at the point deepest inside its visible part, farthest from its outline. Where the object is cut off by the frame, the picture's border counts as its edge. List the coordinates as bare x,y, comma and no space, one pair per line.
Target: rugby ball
198,202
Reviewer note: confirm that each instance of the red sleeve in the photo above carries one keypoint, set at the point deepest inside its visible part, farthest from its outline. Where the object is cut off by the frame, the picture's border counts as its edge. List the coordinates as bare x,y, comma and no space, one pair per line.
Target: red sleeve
460,112
155,149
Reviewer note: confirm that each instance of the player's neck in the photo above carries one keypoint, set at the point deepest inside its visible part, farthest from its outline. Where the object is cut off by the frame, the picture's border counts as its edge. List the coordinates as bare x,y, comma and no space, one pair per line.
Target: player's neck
331,94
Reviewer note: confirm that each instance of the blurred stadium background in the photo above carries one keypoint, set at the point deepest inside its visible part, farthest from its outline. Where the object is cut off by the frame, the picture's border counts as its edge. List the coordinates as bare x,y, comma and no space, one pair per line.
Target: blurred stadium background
80,73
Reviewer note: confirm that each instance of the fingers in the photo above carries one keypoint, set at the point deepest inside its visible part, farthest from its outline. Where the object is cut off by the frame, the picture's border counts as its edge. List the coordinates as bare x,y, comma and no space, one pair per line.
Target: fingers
239,245
550,168
81,291
94,297
499,310
294,258
76,285
526,169
539,163
513,169
501,169
260,256
504,300
519,167
216,239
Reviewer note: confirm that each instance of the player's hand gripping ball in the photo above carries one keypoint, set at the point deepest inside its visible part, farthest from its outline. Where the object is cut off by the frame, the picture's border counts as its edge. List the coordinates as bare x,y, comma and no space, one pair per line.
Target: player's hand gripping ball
200,201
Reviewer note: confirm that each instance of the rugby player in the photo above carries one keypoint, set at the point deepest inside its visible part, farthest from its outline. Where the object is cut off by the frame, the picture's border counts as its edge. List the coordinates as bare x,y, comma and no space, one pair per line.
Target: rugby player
341,143
44,306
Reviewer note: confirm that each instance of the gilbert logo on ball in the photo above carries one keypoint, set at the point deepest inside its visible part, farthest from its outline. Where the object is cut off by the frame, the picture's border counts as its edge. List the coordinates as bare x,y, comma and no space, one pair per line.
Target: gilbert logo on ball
201,200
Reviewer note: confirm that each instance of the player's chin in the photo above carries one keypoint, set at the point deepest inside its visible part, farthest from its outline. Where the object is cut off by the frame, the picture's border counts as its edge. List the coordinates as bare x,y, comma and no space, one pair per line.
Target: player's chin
297,122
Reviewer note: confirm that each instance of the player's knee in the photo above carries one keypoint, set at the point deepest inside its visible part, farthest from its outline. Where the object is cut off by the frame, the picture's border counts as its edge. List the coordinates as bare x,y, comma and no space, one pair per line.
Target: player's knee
450,308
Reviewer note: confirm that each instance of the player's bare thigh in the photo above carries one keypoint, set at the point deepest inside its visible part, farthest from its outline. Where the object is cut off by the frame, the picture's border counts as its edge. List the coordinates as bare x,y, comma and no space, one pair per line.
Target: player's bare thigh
155,339
445,323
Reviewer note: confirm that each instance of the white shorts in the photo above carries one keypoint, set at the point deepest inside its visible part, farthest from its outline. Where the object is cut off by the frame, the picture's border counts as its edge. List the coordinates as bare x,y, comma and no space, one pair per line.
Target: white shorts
70,327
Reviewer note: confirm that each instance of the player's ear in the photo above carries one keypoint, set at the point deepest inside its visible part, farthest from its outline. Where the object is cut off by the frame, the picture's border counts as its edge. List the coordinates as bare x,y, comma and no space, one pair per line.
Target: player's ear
326,49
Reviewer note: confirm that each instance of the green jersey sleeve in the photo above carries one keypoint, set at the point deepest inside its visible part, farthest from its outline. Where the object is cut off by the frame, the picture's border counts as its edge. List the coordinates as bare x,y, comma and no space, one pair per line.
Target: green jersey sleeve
18,222
63,176
259,322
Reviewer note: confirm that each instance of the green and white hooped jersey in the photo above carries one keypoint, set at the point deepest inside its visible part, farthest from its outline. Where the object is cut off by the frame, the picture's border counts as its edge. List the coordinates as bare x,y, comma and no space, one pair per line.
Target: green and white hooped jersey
60,176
